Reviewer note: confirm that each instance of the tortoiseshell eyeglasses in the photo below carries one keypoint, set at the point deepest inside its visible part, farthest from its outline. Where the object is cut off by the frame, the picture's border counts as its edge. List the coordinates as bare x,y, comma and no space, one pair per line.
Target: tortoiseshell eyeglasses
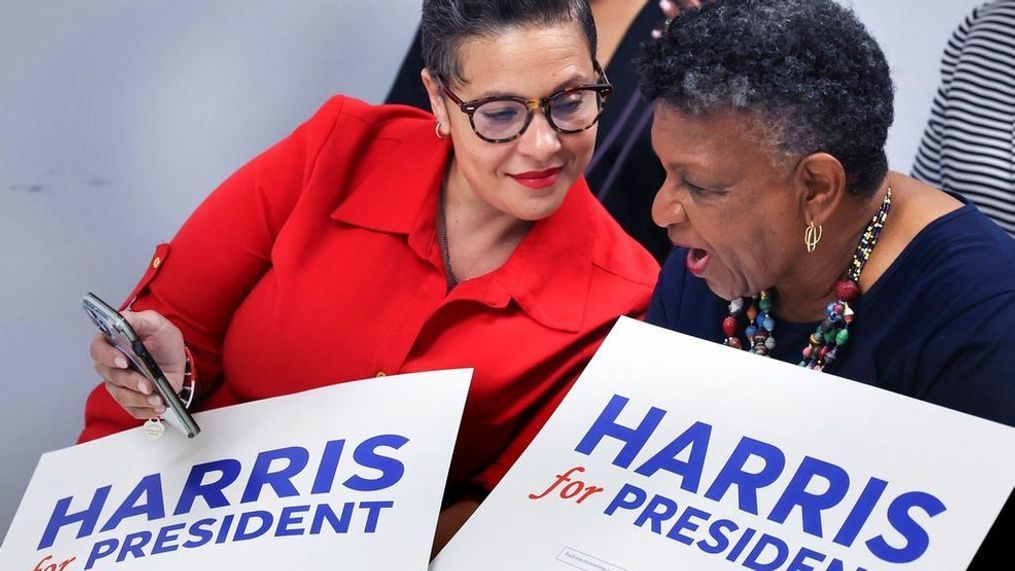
504,118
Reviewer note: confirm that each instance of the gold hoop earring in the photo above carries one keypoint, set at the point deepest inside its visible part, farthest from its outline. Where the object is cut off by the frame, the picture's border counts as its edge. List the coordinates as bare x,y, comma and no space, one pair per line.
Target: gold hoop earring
437,130
812,236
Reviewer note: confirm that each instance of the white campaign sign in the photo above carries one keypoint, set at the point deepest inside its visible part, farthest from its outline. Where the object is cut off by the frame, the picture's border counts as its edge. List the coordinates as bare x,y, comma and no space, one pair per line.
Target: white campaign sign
675,453
348,476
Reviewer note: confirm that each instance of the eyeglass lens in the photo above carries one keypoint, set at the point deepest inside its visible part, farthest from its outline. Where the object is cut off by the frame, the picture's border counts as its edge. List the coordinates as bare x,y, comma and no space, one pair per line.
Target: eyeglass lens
569,111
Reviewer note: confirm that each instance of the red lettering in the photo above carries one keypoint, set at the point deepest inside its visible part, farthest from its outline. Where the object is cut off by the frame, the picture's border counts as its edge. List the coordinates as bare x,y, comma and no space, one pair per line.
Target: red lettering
53,566
573,488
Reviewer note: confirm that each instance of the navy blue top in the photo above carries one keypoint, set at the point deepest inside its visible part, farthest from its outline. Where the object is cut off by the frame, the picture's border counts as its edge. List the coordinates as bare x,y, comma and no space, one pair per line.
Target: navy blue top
939,325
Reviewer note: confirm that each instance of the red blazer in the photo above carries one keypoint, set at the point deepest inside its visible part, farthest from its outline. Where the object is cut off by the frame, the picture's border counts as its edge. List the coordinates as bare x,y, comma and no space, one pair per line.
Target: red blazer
317,263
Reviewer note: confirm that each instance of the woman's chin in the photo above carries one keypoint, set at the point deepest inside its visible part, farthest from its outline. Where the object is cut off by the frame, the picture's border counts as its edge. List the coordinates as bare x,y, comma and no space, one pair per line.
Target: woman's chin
536,208
726,291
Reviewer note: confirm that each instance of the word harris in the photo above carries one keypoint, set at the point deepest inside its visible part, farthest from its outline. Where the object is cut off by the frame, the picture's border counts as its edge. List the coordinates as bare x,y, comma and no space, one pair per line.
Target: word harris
724,536
207,485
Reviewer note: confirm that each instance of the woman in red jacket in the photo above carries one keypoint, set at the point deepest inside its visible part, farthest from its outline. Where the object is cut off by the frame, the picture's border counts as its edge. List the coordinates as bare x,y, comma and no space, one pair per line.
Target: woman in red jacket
383,240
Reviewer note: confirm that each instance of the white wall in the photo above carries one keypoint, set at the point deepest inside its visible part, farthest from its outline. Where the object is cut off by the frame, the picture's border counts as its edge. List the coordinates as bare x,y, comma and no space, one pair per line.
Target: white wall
117,117
913,34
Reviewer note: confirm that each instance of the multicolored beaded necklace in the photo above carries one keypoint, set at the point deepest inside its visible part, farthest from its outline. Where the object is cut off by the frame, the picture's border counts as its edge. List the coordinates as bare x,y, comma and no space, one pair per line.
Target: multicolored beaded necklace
832,333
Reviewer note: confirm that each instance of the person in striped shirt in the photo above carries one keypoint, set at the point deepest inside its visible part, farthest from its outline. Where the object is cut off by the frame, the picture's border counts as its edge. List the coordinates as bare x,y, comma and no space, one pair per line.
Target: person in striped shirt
969,144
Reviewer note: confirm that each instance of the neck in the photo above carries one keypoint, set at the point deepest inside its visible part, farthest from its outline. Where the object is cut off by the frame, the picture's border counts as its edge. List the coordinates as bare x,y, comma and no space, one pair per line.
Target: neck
480,237
803,296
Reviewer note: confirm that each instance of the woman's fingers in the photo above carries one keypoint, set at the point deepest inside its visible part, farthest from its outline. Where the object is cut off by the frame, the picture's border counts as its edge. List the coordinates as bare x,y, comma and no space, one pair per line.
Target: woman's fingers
132,389
112,366
135,393
163,340
105,354
129,388
125,378
138,405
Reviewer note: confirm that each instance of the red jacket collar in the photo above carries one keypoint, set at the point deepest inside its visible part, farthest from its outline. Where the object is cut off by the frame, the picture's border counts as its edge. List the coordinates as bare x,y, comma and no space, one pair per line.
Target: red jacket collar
548,274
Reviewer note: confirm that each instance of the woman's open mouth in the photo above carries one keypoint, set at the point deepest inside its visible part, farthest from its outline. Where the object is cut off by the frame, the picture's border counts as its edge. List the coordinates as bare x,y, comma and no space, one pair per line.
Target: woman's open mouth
697,261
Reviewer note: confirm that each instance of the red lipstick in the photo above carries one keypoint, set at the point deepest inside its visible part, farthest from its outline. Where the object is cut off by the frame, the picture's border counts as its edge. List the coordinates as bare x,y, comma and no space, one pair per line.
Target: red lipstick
538,179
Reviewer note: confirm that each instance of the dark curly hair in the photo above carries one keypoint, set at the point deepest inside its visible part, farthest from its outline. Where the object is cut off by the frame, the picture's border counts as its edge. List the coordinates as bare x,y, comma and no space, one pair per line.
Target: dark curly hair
807,71
447,23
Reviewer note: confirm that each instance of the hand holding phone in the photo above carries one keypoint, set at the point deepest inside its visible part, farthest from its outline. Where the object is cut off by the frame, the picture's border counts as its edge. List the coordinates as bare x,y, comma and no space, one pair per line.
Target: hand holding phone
137,354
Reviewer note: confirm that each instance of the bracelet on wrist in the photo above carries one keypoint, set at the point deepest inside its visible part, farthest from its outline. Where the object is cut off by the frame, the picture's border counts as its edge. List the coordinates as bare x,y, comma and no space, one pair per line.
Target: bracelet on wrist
186,393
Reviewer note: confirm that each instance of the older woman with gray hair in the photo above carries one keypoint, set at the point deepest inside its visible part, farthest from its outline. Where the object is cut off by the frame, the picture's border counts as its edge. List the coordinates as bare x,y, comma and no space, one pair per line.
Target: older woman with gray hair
796,241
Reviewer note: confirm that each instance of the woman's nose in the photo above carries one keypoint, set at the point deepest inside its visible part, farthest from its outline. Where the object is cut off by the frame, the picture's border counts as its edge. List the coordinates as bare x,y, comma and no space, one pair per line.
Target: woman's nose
539,140
667,208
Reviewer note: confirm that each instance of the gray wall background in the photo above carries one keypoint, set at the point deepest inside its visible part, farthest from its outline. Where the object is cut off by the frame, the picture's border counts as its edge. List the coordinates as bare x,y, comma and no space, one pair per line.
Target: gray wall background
117,117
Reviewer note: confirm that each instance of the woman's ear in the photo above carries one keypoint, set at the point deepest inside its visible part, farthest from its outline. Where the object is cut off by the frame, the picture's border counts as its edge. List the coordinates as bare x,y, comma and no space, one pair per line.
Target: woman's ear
433,91
823,181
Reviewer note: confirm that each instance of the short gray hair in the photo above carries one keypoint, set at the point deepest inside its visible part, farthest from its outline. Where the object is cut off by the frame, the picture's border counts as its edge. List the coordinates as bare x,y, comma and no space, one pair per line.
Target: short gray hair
806,71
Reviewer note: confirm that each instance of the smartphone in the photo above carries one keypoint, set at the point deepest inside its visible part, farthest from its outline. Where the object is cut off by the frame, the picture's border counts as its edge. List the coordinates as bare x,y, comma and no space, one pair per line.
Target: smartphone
121,335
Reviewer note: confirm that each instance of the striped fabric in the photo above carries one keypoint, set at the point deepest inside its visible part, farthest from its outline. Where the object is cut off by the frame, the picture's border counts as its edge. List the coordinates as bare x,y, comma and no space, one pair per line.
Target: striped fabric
969,144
